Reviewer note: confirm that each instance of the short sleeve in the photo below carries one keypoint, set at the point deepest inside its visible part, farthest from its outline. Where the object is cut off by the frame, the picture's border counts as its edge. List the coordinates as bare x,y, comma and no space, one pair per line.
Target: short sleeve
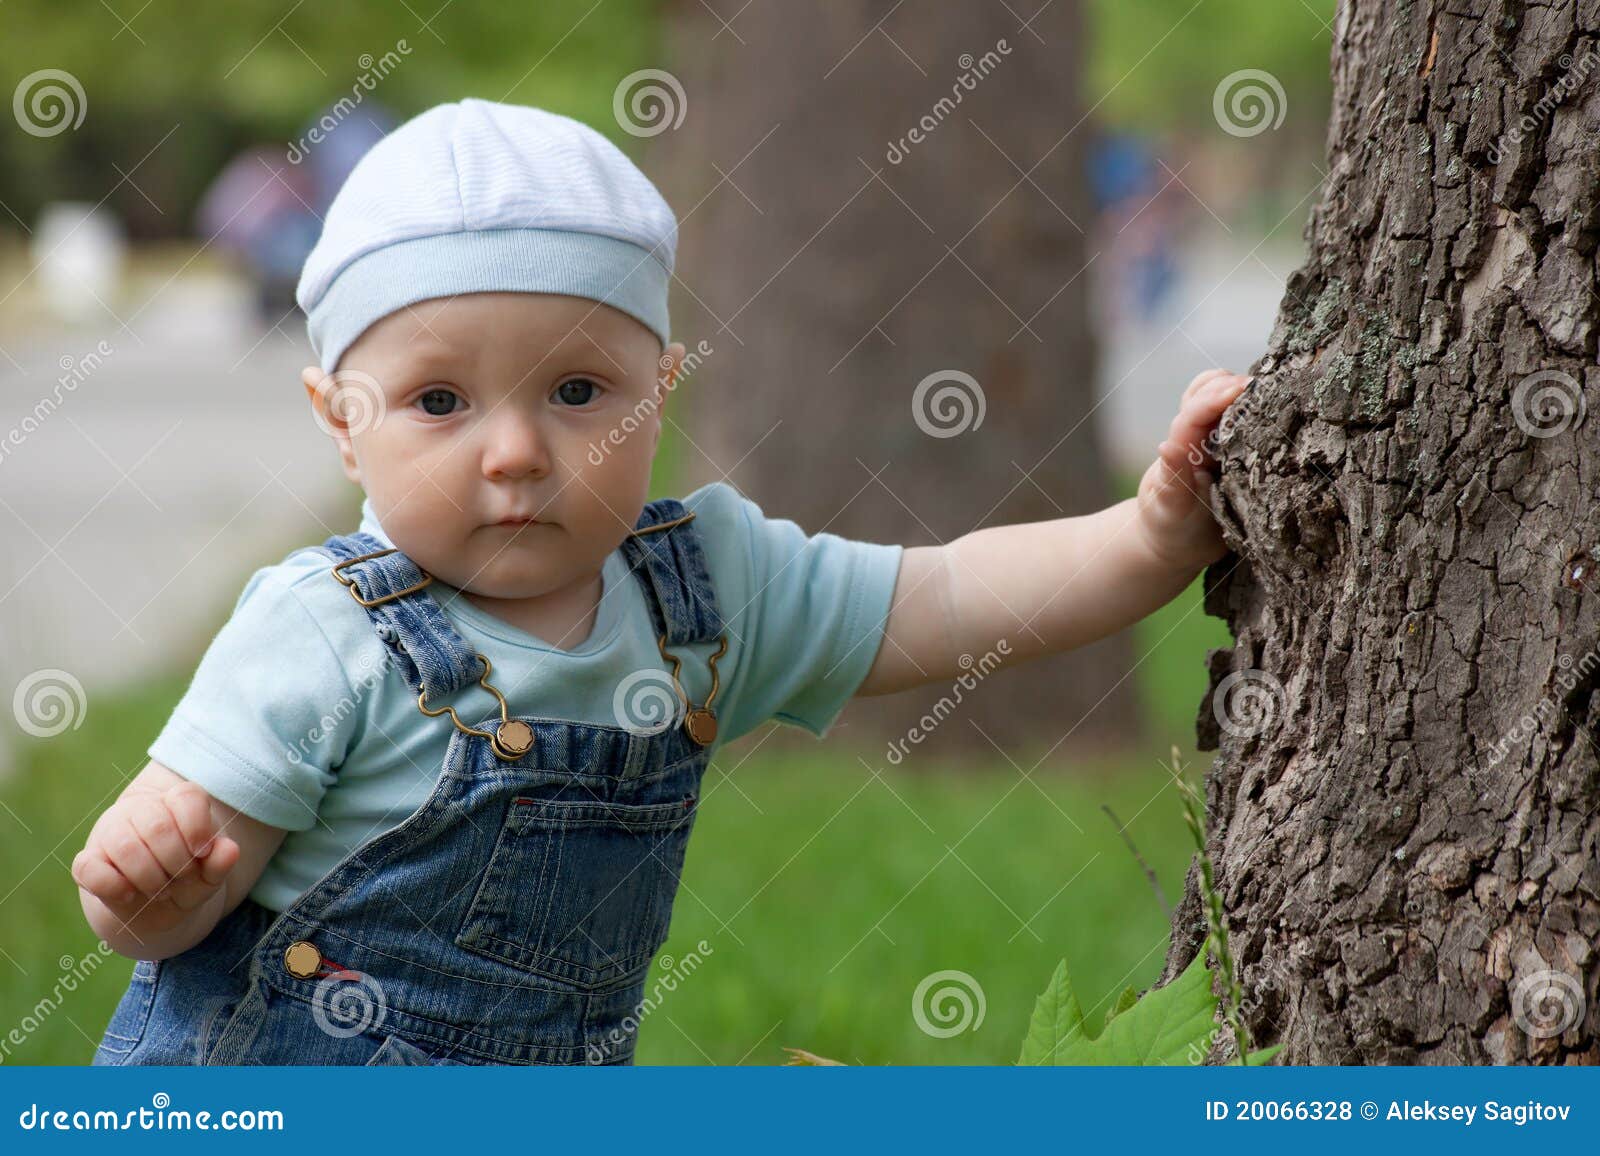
261,726
809,610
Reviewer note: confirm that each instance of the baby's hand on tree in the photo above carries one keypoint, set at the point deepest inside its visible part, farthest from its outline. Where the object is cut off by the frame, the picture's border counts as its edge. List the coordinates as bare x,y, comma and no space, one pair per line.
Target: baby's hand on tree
1174,511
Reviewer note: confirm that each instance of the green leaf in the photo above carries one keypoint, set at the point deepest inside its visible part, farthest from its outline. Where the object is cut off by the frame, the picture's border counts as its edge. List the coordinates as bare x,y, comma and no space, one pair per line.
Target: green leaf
1057,1020
1126,1000
1169,1025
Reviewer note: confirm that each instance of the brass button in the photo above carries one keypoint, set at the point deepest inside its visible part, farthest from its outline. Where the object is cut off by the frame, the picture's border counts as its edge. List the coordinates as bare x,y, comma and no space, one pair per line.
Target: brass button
301,959
514,739
701,725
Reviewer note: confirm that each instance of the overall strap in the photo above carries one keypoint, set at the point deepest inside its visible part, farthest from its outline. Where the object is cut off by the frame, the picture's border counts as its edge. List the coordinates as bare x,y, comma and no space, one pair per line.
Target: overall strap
429,652
666,553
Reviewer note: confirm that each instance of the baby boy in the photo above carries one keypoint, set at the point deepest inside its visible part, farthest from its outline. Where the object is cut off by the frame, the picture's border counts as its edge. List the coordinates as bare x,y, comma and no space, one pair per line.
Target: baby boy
428,795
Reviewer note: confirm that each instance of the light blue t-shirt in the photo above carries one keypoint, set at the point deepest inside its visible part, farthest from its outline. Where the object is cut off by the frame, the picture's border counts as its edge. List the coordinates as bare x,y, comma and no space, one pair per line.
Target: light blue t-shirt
292,719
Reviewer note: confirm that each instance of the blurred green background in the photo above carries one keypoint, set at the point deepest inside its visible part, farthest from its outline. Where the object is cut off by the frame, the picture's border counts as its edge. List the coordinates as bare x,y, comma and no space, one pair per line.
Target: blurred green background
259,74
827,892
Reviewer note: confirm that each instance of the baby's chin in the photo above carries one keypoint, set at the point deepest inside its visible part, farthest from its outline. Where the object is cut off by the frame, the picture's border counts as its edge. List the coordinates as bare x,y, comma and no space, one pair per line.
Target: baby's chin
510,577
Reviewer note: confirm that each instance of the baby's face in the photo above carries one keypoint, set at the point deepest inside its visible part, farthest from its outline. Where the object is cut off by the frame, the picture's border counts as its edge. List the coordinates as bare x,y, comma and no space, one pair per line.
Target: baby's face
496,406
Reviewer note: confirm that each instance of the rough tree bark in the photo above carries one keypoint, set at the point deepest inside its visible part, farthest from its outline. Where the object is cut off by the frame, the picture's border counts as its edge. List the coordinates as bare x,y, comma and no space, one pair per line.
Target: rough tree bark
1404,807
843,261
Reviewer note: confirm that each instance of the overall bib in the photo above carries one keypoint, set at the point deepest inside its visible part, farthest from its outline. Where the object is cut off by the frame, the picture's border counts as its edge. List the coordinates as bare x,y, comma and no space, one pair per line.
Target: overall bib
513,917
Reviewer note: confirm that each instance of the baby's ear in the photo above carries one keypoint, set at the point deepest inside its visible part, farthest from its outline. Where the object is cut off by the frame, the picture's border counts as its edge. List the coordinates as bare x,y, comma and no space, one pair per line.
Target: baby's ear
670,366
328,420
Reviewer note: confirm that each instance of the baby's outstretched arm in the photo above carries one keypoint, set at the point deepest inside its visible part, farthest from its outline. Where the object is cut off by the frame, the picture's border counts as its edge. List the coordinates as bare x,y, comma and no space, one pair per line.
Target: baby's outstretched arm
1041,587
165,862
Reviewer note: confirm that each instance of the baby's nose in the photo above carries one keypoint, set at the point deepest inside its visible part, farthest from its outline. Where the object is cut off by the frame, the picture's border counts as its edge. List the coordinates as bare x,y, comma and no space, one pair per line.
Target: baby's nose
516,448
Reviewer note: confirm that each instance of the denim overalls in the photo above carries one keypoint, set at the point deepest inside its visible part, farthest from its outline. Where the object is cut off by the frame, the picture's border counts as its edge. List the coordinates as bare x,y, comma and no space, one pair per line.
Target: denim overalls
513,917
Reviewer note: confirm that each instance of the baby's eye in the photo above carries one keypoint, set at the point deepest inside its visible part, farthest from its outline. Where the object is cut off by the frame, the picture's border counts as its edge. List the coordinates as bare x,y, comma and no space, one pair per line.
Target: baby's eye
576,391
438,402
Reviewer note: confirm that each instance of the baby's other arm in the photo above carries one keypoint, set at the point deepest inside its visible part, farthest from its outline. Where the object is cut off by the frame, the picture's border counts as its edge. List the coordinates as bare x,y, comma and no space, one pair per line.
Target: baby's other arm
1039,587
165,863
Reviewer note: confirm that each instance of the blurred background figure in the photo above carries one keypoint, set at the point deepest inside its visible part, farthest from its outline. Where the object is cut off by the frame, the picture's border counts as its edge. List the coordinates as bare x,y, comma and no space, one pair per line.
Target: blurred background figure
259,209
79,251
1131,197
267,208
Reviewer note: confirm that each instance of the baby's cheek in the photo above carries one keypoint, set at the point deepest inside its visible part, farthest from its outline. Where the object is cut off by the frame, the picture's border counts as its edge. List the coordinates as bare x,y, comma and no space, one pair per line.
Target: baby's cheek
613,465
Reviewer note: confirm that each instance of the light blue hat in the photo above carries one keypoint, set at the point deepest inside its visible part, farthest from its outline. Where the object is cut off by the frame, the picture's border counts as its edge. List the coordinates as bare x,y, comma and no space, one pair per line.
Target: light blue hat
477,197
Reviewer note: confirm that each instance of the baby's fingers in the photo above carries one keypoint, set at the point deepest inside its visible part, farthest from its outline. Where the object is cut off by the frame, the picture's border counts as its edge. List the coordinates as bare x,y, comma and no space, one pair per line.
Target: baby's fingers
95,874
224,855
158,827
1207,404
1201,379
126,851
190,807
200,882
1175,459
1199,414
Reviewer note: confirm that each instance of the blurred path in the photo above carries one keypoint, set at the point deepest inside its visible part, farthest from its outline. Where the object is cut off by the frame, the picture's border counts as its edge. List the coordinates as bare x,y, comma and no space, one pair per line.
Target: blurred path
1220,313
173,465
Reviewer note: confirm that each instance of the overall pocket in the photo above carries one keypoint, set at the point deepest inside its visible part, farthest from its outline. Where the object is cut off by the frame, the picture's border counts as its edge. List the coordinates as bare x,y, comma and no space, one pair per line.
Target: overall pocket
580,890
132,1014
396,1050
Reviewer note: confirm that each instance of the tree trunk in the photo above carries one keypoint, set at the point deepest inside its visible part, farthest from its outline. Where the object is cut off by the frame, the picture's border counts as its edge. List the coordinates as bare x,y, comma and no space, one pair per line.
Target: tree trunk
843,263
1404,808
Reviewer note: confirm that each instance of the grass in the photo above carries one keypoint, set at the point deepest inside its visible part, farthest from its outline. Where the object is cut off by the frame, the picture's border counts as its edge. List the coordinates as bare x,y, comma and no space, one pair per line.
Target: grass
819,940
58,788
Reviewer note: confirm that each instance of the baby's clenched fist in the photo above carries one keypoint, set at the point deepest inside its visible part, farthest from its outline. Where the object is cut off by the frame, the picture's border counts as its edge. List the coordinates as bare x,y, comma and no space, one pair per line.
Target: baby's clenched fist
156,855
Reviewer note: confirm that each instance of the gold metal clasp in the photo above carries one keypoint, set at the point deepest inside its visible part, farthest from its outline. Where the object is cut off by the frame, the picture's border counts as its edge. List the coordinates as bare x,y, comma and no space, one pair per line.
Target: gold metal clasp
510,742
700,721
689,517
350,583
514,738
